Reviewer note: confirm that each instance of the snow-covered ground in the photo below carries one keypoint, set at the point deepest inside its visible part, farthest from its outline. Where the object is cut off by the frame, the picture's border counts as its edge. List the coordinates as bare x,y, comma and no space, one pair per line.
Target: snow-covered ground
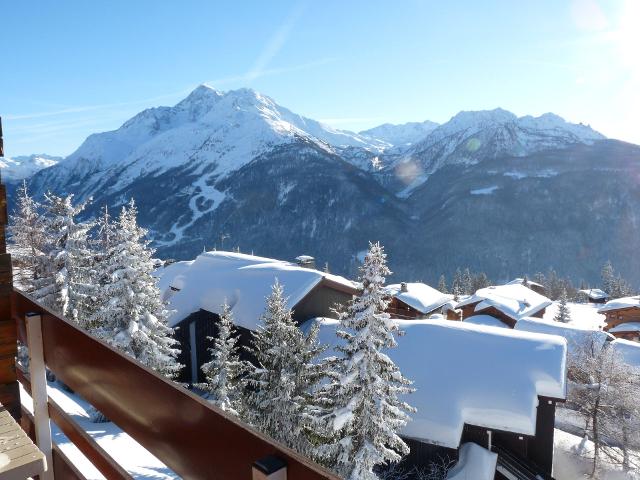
573,456
125,450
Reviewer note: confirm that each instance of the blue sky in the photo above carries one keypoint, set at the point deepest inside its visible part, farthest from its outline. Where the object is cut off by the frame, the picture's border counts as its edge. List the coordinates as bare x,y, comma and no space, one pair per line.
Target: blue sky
71,68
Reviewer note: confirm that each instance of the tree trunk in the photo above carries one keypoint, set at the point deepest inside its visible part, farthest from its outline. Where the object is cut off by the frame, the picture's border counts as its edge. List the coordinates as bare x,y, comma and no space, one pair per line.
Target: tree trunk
596,438
625,441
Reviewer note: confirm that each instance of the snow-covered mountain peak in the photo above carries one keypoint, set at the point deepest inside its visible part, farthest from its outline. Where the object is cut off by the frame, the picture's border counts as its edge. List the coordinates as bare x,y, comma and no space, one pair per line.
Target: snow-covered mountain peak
213,131
553,123
400,135
200,101
20,167
479,119
473,136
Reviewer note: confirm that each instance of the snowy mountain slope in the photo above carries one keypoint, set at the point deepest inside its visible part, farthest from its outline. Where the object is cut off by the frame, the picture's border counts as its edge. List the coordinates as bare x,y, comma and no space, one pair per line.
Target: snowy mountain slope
211,131
498,193
472,137
401,135
17,168
570,208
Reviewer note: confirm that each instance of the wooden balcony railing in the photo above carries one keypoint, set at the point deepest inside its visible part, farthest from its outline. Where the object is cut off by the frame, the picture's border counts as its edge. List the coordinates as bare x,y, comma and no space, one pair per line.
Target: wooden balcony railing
192,437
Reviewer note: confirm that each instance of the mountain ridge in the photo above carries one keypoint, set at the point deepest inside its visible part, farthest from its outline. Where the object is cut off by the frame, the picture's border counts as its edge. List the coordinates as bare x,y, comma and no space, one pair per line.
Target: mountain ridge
282,184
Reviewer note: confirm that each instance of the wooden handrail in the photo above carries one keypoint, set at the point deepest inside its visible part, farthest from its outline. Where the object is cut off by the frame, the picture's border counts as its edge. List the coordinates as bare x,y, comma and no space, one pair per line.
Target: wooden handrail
192,437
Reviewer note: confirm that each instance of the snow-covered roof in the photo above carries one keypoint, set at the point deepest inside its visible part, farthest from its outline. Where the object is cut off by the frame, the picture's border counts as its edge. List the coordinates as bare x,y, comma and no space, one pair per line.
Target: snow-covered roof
474,462
243,281
629,350
472,374
626,327
486,320
520,281
419,296
514,300
582,315
594,293
576,337
621,303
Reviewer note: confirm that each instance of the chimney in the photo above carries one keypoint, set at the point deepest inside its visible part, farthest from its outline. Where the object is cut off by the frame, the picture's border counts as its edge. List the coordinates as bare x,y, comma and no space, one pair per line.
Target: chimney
306,261
403,287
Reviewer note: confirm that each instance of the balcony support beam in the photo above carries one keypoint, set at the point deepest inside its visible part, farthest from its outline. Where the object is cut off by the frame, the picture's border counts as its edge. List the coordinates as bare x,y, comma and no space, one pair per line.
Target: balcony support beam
38,373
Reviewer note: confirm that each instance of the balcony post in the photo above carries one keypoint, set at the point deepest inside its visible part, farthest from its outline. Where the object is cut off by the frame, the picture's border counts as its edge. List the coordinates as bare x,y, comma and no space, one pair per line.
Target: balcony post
38,373
9,390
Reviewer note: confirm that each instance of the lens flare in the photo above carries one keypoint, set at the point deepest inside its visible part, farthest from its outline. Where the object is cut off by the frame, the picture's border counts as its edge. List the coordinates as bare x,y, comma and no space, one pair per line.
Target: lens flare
473,144
408,171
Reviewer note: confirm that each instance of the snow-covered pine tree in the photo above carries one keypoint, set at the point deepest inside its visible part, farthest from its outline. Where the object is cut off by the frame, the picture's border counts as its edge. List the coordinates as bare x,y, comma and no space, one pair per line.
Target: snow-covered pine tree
563,315
540,278
480,281
105,233
27,230
65,271
368,413
621,288
133,317
607,277
456,284
102,244
467,282
442,285
223,371
279,390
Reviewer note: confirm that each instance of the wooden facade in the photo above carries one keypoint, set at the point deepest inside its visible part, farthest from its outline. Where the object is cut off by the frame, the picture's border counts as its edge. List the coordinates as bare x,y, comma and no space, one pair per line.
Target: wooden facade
535,452
469,311
615,318
9,390
398,309
194,331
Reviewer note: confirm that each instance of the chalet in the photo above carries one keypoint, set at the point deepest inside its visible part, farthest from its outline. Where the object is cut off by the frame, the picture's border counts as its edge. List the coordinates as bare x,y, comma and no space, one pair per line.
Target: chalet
536,287
499,390
415,300
196,290
594,295
622,317
507,303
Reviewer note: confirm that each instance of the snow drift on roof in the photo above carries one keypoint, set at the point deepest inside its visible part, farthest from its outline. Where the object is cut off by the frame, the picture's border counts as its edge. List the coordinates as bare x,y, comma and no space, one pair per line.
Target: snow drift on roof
620,303
630,351
486,320
514,300
626,327
474,462
582,315
419,296
576,337
471,374
520,281
243,281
